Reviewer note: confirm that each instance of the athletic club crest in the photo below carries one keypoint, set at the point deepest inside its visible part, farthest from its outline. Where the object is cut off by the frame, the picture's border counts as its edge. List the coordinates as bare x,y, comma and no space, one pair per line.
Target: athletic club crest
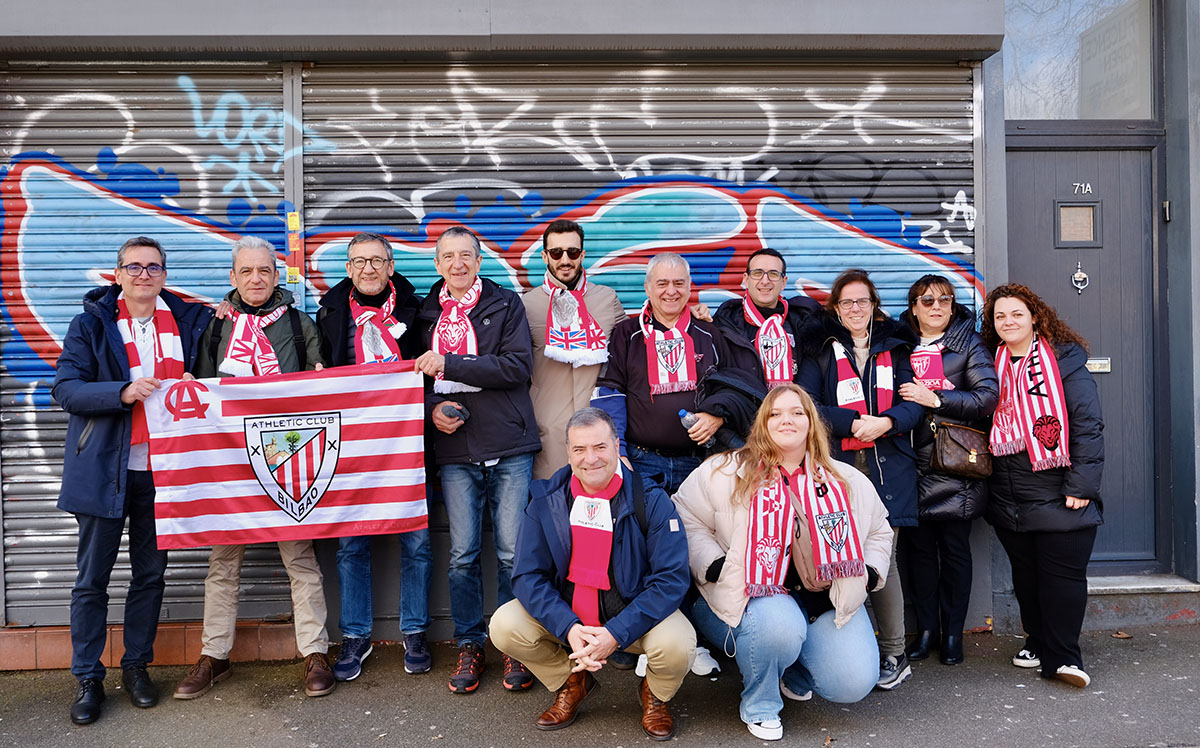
670,353
294,458
833,528
920,365
772,349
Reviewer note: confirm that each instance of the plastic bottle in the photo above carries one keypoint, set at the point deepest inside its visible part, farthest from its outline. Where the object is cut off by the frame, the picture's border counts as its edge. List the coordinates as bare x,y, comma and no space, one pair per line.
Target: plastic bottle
689,419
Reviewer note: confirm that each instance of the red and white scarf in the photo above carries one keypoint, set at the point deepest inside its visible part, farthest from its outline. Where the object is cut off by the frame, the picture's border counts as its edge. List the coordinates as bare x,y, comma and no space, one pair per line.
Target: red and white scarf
850,392
572,335
168,355
771,342
591,547
927,367
375,332
837,552
1032,414
769,540
249,352
670,354
454,332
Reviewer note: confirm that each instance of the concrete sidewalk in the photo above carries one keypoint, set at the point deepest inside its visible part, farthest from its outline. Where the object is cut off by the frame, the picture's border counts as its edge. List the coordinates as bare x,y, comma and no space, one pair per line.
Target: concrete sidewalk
1144,693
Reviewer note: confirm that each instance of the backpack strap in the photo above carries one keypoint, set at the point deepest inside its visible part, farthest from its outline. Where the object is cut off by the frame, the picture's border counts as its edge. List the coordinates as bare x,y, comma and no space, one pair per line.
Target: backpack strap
298,338
214,345
639,503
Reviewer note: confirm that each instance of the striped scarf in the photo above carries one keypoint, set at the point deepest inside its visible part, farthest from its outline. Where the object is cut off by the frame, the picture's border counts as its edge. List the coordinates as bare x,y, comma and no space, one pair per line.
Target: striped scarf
670,354
836,550
572,335
168,355
850,389
769,540
928,369
454,333
771,342
375,332
250,352
1032,414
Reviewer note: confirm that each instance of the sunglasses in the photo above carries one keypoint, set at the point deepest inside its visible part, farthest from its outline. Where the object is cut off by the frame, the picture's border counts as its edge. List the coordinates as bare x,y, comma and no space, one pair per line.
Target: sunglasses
928,299
556,254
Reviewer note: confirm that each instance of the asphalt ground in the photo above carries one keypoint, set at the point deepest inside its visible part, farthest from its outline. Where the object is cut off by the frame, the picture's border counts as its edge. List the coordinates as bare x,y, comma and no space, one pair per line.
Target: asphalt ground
1144,692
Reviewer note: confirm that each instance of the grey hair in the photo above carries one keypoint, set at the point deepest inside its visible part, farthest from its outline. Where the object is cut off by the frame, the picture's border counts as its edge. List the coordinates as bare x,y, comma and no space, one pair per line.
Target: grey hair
667,258
459,231
141,241
368,236
585,417
252,242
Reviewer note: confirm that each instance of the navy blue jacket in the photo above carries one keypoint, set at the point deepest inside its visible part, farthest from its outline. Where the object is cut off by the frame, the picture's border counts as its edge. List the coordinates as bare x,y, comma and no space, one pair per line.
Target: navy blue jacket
740,334
650,571
892,462
91,372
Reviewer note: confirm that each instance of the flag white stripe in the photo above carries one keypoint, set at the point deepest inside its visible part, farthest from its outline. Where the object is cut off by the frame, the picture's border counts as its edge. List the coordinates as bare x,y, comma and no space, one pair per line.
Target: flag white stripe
267,520
237,455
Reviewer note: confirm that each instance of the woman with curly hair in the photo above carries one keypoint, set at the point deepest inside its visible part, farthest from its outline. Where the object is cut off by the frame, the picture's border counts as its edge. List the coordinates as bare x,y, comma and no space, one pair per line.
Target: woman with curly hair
784,543
1047,438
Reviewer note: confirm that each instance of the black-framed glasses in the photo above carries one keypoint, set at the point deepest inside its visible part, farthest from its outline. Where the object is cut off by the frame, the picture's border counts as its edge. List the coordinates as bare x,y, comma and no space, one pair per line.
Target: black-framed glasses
358,263
847,304
757,274
572,252
134,269
928,299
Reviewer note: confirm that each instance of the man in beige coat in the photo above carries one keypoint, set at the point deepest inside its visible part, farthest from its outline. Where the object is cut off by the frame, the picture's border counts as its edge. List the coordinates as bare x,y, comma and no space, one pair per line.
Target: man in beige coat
570,319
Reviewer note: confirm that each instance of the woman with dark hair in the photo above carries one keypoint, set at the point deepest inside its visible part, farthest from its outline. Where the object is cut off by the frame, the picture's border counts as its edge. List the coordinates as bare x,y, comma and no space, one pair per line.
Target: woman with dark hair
784,544
1048,445
855,362
955,381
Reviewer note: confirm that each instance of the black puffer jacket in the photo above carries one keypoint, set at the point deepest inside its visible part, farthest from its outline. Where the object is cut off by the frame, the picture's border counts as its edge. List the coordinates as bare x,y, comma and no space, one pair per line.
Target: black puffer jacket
1024,501
968,365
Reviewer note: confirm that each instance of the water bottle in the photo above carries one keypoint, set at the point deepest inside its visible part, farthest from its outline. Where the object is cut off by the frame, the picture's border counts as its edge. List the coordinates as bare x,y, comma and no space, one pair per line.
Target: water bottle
688,419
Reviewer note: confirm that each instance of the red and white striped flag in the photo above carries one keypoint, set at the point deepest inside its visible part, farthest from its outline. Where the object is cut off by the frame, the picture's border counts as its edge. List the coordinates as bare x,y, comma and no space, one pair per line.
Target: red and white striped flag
289,457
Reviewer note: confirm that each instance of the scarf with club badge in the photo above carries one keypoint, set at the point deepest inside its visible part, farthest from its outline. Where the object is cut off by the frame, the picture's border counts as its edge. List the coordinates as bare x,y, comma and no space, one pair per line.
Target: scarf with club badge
454,332
670,354
591,547
850,392
375,332
928,369
168,355
572,335
1032,414
771,342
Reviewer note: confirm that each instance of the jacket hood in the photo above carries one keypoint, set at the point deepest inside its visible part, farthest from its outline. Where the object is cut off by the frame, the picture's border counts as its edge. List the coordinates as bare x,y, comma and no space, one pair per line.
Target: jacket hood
886,334
281,297
959,332
340,293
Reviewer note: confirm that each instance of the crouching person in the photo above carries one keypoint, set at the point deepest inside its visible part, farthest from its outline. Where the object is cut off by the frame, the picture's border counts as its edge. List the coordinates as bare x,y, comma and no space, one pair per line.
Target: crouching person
601,565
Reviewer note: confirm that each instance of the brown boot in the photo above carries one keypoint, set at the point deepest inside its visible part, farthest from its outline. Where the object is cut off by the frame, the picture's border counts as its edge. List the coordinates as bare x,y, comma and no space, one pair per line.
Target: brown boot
206,673
657,721
318,676
565,708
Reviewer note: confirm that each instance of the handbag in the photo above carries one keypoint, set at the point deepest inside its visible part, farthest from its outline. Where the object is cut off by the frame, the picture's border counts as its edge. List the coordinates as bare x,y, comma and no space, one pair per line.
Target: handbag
960,451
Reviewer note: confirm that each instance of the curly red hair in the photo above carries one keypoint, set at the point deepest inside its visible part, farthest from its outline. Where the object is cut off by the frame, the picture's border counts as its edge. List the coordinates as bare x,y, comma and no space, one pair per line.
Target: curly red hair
1046,323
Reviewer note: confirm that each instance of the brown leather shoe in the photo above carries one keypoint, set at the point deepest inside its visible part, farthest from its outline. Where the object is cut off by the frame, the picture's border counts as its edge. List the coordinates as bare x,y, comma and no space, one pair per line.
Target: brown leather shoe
657,721
318,676
206,673
565,708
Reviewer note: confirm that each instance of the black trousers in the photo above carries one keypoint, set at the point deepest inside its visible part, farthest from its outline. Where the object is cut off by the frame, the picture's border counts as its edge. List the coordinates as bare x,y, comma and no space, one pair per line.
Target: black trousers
1049,571
937,561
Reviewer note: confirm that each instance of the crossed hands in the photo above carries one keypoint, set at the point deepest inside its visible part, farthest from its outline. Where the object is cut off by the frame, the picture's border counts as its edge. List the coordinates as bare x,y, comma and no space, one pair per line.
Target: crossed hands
590,647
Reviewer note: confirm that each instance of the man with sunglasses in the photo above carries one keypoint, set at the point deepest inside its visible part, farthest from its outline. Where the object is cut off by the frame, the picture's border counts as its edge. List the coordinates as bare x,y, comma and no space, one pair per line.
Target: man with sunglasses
570,319
763,328
370,317
130,336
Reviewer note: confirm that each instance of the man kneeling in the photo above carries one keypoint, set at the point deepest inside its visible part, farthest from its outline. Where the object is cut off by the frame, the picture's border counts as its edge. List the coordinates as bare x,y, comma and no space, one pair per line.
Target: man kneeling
601,565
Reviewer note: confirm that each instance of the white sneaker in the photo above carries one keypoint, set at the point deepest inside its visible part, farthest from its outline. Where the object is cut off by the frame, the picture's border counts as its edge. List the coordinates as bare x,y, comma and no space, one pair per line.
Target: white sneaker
790,694
704,664
1073,675
772,729
1028,659
640,668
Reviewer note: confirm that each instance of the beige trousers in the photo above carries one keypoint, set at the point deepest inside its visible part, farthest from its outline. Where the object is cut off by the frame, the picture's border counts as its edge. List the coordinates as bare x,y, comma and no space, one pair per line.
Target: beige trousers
221,598
669,647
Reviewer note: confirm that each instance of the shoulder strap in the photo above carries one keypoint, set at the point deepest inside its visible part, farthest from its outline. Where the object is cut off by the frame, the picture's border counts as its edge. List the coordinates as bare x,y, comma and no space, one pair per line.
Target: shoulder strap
639,504
214,344
298,338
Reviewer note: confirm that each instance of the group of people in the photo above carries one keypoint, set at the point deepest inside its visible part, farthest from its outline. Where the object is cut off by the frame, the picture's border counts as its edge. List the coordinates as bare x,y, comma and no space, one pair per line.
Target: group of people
658,484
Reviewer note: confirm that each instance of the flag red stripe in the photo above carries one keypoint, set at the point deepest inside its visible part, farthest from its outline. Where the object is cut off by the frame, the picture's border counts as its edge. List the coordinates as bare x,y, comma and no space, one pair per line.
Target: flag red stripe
263,503
297,532
237,439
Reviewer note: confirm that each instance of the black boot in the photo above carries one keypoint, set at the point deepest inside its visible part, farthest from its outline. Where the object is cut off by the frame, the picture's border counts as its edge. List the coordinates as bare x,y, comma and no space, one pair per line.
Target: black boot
952,651
142,691
89,697
922,645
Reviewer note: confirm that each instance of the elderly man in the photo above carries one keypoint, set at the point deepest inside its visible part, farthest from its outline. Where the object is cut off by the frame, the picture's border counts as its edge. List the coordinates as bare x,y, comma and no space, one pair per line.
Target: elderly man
601,565
370,317
763,328
263,335
654,364
479,360
130,336
570,319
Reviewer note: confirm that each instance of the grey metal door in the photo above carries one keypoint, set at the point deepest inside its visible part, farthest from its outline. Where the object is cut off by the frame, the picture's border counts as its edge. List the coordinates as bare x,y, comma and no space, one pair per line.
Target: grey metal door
1091,213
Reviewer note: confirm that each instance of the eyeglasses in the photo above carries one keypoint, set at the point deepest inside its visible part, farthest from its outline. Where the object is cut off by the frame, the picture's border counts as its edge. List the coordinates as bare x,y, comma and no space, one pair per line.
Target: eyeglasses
358,263
928,299
757,274
557,253
134,269
847,304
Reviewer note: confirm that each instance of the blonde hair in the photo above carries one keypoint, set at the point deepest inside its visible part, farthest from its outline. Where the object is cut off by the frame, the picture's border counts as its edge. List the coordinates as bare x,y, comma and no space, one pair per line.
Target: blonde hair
760,458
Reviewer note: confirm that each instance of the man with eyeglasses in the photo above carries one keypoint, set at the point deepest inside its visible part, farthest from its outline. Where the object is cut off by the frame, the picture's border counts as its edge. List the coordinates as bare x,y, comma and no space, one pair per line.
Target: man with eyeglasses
763,328
263,335
479,359
570,318
370,317
130,336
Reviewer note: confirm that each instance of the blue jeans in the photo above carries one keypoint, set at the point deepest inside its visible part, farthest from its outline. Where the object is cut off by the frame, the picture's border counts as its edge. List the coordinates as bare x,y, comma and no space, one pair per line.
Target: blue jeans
674,470
774,641
354,574
467,488
99,540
